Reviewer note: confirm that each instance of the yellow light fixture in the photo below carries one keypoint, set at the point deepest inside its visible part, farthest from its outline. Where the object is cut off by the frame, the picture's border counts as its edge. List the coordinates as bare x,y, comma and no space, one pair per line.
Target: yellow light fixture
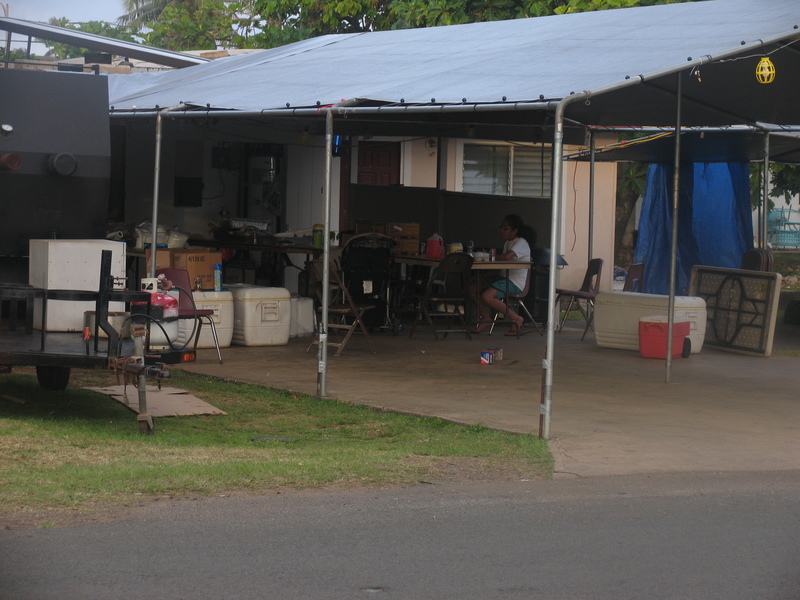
765,71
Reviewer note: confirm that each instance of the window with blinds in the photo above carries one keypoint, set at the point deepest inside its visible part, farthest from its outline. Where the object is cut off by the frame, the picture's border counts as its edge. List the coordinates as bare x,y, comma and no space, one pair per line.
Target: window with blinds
504,170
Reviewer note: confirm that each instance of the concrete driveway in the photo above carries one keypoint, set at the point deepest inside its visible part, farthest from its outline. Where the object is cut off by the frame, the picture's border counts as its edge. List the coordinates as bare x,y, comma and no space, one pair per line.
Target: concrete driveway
613,413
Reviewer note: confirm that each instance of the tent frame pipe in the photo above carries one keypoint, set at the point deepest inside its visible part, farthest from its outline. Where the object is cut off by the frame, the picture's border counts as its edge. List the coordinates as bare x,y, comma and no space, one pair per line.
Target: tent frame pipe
763,224
673,266
591,194
322,350
156,179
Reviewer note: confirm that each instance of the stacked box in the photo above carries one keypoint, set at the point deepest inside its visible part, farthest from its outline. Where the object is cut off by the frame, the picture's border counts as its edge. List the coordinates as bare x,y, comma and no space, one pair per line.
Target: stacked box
199,263
406,237
370,227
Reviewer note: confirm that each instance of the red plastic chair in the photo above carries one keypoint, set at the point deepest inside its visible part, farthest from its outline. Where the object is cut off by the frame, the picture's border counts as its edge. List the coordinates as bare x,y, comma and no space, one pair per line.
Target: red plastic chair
186,306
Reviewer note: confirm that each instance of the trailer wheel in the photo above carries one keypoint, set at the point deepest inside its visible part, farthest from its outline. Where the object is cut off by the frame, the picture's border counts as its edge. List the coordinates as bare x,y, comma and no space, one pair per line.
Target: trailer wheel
53,378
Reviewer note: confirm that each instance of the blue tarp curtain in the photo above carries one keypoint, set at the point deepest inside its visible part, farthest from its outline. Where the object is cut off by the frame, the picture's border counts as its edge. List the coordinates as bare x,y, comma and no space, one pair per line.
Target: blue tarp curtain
714,222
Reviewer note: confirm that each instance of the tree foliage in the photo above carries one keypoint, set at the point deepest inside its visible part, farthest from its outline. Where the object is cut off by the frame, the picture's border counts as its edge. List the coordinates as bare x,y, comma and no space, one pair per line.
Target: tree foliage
62,51
207,26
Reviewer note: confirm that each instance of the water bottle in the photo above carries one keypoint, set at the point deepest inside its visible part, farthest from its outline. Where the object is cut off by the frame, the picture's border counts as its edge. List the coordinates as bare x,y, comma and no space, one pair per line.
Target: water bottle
217,277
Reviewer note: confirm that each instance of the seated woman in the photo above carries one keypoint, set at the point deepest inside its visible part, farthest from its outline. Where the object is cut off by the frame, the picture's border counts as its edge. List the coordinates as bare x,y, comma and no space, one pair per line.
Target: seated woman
519,239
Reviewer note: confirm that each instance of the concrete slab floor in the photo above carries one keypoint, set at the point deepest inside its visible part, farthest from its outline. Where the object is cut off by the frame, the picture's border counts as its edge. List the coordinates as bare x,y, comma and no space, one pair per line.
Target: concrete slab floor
612,413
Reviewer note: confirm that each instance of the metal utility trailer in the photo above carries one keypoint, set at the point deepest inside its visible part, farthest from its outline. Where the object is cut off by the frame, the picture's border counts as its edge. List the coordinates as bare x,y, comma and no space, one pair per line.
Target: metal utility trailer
54,354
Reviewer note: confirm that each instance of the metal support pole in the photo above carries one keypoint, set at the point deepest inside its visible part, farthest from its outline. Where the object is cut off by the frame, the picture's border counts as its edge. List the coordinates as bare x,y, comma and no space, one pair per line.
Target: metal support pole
156,178
763,223
322,350
673,267
591,194
546,404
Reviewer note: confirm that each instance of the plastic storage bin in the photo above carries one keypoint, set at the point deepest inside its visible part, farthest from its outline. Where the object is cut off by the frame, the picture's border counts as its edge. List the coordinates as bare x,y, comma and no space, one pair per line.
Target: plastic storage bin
302,321
617,314
261,315
71,265
222,305
653,336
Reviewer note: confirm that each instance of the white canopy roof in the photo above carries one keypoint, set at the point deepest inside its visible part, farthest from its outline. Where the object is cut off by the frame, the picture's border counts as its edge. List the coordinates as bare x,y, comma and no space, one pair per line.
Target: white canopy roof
624,53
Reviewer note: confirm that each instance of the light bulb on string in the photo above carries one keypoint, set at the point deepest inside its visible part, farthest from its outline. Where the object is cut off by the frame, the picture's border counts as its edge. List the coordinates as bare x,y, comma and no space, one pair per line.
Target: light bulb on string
765,71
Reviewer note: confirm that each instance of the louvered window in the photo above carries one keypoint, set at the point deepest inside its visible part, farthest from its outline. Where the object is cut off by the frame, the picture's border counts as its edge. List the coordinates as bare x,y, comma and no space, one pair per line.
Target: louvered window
505,170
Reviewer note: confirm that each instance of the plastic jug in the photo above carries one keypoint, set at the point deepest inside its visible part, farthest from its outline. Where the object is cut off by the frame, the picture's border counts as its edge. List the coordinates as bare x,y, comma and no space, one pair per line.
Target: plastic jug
434,247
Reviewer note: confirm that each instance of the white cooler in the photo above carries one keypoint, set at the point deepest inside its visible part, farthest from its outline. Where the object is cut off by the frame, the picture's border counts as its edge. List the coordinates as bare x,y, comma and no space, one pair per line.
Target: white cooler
617,314
302,322
261,315
222,305
71,265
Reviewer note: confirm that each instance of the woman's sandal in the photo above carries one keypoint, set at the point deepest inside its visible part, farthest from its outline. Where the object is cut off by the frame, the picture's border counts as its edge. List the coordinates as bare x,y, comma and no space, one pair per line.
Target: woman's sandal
515,331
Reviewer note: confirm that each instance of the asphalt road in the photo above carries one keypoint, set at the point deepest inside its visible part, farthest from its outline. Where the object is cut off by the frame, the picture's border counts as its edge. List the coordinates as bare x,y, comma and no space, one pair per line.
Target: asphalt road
695,536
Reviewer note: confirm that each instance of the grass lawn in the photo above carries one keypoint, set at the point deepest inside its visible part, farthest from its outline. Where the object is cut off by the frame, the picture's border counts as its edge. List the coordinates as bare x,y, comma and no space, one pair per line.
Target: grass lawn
76,451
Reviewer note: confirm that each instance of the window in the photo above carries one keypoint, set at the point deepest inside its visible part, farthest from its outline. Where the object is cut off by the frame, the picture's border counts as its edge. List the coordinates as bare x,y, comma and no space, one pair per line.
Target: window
507,170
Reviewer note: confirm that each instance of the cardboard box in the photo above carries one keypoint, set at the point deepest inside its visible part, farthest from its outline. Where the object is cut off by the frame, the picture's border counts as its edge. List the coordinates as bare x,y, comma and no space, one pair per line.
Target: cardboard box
163,259
406,230
198,262
405,236
404,246
489,356
370,227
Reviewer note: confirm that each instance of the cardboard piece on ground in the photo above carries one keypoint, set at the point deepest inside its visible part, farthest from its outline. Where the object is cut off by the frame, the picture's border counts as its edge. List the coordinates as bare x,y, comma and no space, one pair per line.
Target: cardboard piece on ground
166,402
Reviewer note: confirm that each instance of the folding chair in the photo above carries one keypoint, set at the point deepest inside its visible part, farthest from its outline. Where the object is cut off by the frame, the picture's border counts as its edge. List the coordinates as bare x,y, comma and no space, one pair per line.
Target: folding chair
517,302
634,279
186,307
344,315
587,293
445,295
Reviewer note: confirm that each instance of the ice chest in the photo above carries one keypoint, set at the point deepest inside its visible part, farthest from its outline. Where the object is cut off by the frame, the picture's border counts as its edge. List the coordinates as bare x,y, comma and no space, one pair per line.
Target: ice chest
653,334
302,321
617,314
261,315
71,265
222,305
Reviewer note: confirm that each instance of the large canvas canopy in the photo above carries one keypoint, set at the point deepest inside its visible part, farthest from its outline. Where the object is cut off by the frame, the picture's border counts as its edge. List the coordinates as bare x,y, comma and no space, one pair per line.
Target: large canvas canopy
623,59
543,79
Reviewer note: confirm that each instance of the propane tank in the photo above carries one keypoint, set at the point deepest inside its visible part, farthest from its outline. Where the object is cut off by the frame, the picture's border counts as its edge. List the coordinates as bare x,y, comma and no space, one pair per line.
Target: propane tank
164,312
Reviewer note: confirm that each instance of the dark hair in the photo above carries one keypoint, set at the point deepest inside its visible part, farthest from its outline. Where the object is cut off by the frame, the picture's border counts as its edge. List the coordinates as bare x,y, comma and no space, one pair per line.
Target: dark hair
523,231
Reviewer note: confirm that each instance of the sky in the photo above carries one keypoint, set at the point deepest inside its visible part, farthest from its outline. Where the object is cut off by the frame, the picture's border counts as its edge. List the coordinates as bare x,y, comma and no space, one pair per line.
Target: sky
76,10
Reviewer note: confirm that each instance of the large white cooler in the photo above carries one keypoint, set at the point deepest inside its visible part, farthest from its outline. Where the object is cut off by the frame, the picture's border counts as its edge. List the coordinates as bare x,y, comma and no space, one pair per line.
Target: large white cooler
261,315
617,314
302,322
222,305
71,265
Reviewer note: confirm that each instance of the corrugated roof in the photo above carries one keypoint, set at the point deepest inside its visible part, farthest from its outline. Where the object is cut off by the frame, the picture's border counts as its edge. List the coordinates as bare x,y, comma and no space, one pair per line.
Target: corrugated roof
91,41
520,61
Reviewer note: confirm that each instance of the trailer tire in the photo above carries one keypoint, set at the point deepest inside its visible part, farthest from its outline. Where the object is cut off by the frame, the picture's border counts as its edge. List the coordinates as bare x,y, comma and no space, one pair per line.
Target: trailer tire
53,378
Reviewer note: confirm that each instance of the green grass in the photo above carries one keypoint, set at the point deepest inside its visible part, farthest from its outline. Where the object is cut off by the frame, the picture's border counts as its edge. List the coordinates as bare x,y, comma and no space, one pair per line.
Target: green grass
79,449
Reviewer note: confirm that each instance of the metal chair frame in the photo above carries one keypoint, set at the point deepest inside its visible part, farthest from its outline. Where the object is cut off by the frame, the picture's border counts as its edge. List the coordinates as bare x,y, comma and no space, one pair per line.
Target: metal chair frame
587,293
437,305
342,308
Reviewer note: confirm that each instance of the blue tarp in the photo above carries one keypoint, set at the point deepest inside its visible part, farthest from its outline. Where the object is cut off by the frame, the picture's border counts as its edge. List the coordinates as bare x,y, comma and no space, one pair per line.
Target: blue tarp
714,222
